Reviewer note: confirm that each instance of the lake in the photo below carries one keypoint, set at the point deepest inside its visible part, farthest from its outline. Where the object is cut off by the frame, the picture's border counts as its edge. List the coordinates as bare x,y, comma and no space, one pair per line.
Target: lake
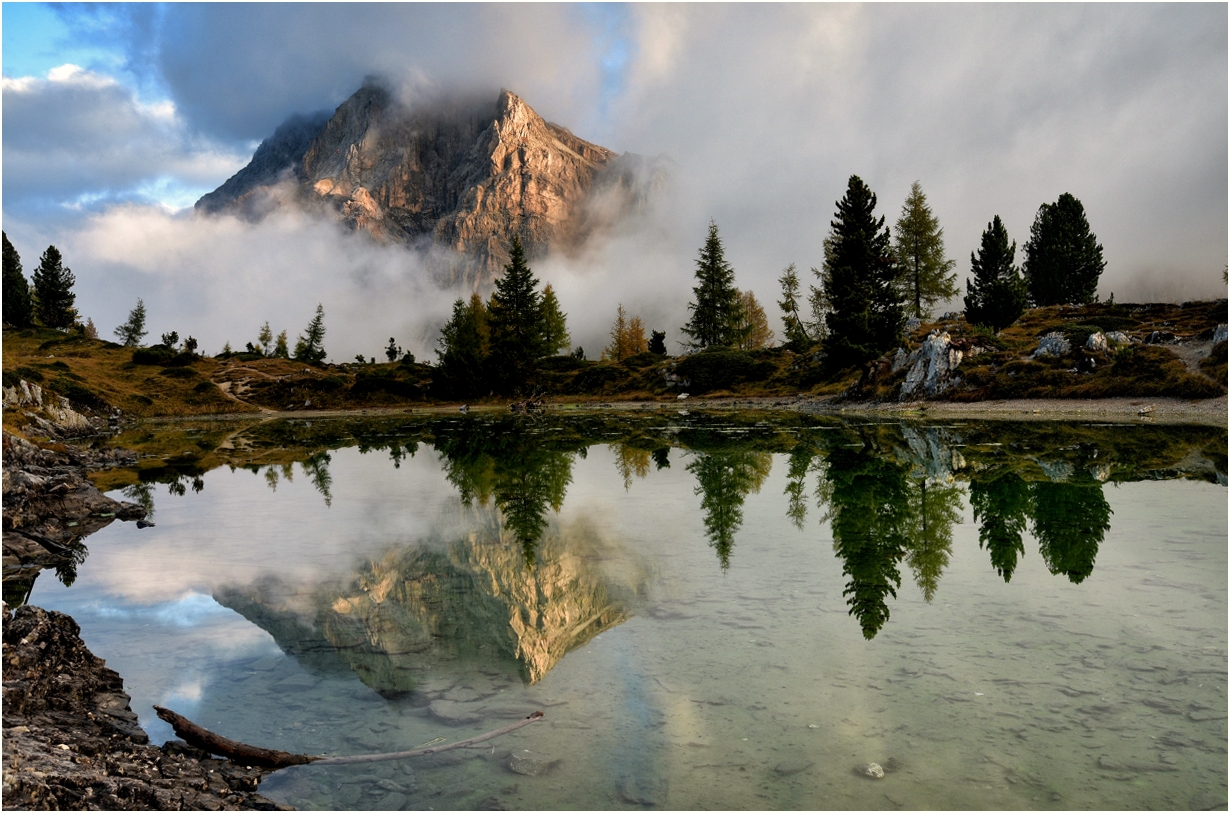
713,610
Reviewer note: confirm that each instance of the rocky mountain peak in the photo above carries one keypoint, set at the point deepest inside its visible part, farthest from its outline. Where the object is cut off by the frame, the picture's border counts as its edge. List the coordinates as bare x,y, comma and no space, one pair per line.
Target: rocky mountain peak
454,174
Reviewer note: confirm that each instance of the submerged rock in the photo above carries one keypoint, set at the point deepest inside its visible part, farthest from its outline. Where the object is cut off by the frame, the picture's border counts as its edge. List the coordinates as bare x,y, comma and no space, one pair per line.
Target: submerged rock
529,763
871,770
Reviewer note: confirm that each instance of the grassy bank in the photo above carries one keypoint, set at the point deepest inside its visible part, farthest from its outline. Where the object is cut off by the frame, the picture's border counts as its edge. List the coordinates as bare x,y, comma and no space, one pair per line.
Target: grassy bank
99,376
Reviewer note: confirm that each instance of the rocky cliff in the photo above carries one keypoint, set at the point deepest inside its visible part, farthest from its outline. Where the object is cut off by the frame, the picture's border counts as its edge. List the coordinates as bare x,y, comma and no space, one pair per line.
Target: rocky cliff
463,176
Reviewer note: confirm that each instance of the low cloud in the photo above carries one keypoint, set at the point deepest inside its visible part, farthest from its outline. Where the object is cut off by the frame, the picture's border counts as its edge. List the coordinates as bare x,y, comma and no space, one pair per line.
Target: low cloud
79,138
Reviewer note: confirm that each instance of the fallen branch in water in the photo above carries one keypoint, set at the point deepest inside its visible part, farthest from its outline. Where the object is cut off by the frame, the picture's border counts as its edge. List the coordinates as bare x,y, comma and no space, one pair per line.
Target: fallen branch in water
207,740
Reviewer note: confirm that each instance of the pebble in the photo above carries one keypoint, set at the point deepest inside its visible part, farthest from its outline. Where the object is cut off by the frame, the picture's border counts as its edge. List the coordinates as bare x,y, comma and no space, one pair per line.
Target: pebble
790,767
527,763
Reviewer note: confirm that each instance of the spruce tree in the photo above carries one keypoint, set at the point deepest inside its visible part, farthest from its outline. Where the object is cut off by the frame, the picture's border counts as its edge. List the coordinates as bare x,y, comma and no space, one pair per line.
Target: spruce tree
18,309
53,291
995,296
926,276
311,345
133,331
796,331
518,338
555,323
1063,258
462,350
715,311
865,317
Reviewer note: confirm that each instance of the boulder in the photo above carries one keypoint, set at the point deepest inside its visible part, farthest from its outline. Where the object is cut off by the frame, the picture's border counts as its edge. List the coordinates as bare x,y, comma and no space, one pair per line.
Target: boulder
1219,335
930,366
1053,344
1118,339
1097,342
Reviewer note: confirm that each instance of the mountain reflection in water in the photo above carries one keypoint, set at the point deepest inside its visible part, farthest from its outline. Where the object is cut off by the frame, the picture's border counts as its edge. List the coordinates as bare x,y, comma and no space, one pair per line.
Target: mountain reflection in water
511,589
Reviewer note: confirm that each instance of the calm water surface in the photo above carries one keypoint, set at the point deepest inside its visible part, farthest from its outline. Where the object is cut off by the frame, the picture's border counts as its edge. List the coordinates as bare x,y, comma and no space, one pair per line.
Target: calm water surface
713,611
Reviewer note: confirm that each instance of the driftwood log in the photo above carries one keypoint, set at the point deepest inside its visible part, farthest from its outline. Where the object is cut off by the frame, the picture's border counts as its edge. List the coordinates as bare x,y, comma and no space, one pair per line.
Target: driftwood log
245,754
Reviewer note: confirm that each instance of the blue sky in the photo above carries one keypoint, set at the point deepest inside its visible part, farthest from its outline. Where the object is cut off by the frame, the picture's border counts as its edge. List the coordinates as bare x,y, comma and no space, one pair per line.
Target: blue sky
764,109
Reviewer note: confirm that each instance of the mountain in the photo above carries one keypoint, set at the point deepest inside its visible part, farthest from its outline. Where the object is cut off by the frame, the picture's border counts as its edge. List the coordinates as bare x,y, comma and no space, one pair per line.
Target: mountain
462,176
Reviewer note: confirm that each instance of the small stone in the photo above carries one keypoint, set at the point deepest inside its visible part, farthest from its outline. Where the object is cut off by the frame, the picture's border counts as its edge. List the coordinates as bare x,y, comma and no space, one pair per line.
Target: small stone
528,763
642,790
871,770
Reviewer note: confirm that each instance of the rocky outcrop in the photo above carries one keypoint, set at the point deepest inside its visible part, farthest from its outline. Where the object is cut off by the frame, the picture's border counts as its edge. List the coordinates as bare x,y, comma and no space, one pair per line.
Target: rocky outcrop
1053,344
49,412
72,742
50,507
463,176
930,366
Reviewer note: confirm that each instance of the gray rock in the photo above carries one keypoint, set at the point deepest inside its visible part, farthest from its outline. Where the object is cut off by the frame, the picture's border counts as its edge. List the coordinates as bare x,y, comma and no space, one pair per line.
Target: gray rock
393,801
529,763
871,770
1053,344
1118,339
1097,342
930,366
1219,335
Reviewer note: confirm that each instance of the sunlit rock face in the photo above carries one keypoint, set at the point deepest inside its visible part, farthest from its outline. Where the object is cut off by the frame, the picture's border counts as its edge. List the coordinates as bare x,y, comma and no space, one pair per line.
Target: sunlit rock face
474,603
462,176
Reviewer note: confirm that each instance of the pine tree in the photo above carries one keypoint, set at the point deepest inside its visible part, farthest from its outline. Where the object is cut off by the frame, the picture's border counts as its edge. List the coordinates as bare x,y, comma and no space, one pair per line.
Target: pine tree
392,351
462,350
796,332
18,309
555,323
753,328
133,331
1063,258
657,342
715,313
995,296
516,323
860,273
53,291
311,345
926,276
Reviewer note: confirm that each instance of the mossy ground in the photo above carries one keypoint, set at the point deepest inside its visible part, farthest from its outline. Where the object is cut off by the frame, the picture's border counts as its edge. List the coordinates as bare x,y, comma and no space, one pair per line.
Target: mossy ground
99,375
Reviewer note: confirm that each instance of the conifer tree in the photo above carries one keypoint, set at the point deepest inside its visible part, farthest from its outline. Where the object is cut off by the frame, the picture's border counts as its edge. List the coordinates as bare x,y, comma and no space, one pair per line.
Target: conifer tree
462,350
627,337
796,331
133,331
311,345
555,323
1063,258
715,311
860,274
995,296
53,291
281,348
657,342
18,309
926,276
516,322
264,340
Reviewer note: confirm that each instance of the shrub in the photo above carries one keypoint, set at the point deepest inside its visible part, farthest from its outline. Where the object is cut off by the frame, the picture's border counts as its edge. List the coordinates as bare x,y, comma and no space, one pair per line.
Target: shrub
179,372
642,360
597,379
78,394
205,386
722,369
143,400
158,354
29,374
369,385
562,364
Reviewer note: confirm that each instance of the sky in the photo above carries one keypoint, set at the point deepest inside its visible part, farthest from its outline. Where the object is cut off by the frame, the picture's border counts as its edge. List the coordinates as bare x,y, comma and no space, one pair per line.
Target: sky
117,117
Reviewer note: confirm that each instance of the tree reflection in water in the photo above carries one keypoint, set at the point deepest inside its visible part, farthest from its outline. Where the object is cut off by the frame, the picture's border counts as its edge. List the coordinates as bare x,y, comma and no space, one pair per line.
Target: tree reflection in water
723,481
1070,522
870,520
934,507
511,468
1001,505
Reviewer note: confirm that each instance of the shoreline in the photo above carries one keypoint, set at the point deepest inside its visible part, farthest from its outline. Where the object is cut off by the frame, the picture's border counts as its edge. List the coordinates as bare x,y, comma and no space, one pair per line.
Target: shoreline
1164,411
